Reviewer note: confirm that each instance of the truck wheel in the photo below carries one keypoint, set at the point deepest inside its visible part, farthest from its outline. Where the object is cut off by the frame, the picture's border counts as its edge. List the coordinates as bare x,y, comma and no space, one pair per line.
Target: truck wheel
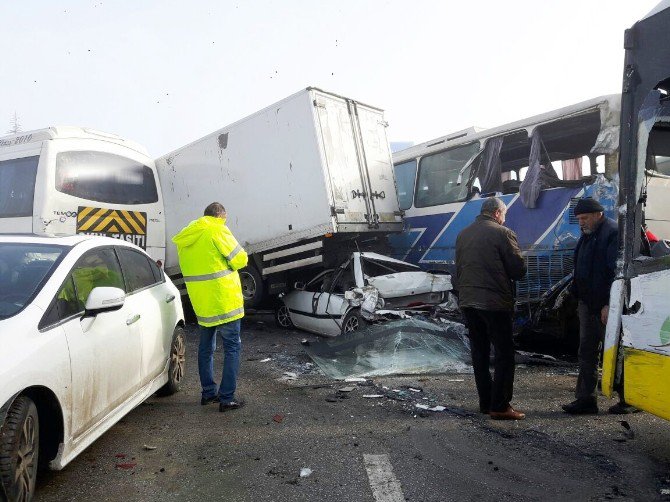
177,364
19,448
353,321
283,317
252,286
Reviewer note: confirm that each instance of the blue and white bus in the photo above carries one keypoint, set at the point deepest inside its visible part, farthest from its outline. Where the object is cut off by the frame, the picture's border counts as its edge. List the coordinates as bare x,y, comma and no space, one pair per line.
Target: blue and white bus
540,167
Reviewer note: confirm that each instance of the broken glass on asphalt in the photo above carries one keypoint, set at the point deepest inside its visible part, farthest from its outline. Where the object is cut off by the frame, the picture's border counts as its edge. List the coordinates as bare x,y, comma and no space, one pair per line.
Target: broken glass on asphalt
407,346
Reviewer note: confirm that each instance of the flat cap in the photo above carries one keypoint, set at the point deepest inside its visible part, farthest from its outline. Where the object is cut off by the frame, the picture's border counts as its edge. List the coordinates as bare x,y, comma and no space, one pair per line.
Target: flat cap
588,205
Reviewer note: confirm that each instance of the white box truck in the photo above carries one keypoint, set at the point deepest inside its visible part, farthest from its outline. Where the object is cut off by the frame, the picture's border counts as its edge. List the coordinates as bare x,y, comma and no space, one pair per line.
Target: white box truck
299,179
313,165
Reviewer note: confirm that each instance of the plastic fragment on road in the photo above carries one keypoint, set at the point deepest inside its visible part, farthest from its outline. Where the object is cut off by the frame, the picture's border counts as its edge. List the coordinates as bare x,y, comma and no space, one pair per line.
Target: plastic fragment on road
278,418
429,408
149,448
346,389
305,472
373,396
355,380
266,360
406,346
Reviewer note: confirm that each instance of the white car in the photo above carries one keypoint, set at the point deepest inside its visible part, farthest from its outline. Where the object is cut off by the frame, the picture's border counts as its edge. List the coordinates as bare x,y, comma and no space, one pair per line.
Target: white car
89,328
330,304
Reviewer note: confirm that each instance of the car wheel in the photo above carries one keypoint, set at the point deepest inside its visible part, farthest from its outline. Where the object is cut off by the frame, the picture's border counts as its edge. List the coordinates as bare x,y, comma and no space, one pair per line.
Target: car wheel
283,317
353,321
19,448
177,364
252,286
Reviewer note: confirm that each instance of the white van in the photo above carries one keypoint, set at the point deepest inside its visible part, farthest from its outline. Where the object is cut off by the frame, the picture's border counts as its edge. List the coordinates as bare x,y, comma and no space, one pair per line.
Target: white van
68,180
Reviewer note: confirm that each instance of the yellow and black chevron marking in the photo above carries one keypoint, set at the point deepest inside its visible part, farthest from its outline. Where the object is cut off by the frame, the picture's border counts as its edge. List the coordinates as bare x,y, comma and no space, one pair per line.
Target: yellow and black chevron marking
118,223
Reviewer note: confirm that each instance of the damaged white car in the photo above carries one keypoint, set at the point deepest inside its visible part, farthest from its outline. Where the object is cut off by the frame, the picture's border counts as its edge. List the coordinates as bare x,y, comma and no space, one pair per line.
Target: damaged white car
365,287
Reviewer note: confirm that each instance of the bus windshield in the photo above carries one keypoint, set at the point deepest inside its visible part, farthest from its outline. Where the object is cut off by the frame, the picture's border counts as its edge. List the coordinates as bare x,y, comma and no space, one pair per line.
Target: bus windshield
105,177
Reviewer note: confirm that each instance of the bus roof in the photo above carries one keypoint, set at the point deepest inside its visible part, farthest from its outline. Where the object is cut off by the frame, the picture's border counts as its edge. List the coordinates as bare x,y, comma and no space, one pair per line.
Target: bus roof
608,106
68,132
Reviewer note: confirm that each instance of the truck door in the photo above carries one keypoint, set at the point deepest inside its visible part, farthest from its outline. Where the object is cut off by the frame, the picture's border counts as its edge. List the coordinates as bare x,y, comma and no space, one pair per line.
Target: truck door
343,158
378,164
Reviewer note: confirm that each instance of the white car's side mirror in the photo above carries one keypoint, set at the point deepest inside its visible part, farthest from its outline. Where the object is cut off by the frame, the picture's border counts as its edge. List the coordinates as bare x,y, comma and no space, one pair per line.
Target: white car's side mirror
299,285
104,299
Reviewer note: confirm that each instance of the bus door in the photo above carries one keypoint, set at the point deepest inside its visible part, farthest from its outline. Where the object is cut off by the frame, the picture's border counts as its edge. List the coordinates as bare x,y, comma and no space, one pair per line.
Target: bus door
99,188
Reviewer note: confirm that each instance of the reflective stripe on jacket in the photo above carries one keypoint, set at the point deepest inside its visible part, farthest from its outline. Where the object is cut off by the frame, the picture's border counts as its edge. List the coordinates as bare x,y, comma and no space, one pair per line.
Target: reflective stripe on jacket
209,258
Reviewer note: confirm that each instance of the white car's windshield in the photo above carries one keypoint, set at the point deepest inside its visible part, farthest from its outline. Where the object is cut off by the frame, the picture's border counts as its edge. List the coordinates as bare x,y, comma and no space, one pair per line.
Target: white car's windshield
23,270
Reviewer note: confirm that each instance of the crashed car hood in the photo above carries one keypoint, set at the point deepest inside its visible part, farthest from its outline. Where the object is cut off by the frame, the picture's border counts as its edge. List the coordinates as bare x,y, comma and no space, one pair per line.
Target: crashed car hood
409,283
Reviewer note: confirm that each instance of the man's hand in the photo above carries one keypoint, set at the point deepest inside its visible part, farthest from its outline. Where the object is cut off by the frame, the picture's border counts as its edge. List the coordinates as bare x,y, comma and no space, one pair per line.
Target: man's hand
604,313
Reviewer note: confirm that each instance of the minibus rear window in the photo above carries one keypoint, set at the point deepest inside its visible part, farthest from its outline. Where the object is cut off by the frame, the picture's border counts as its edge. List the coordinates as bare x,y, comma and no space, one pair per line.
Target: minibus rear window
17,186
105,177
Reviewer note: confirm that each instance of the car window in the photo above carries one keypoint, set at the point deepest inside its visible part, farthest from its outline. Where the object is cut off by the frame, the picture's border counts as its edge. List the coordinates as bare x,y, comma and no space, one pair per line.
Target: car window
96,268
320,283
137,269
374,268
24,269
64,305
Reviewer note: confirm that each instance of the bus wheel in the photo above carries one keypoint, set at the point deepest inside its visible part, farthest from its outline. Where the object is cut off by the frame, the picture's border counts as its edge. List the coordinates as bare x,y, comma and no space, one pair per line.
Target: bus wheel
252,286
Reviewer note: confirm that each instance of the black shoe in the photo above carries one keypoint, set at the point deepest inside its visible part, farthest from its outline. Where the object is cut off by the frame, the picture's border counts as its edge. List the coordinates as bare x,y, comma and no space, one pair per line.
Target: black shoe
621,408
209,400
581,407
230,405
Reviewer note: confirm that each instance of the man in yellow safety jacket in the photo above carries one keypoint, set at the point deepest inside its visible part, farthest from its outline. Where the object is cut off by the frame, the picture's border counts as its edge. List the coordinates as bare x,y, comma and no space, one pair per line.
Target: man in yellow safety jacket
209,258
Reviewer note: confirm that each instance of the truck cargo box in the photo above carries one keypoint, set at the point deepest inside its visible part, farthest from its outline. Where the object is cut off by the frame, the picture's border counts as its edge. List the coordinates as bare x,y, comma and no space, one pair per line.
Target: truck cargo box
312,164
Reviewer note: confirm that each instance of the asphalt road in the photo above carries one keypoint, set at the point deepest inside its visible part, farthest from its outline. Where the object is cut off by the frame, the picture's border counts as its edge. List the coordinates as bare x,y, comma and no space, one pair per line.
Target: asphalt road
364,449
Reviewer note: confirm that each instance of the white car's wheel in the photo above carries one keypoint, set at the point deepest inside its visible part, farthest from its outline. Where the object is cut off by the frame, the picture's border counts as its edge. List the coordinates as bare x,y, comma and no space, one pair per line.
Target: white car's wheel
19,448
283,317
353,321
177,363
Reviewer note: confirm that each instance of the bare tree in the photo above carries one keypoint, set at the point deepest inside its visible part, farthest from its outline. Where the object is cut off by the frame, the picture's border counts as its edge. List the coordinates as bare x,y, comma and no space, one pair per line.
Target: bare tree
15,124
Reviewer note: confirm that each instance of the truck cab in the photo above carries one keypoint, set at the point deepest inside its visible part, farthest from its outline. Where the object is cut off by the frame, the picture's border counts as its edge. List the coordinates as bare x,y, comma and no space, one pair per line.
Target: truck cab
73,180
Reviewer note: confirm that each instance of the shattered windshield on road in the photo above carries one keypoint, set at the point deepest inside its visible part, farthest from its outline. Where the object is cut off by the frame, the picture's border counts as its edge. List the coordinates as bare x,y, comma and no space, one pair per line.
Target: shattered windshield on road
23,271
404,347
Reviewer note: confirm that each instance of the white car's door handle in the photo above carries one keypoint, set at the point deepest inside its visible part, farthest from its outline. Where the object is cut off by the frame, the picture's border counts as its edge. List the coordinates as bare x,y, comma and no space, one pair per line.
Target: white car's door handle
169,298
132,319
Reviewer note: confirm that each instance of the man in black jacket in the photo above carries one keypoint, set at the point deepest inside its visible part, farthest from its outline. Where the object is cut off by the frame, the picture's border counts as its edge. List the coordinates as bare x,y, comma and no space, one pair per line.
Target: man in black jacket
595,264
488,259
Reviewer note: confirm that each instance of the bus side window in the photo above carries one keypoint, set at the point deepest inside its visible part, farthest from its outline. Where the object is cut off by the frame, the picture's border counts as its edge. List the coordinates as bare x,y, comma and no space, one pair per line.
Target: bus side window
405,174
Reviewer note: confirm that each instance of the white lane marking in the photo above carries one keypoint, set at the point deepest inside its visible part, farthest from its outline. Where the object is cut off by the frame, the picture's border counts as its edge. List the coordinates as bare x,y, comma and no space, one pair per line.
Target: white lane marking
385,486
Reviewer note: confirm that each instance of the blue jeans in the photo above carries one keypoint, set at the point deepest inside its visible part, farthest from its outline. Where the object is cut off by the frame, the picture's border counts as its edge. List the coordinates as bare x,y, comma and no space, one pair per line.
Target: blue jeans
230,337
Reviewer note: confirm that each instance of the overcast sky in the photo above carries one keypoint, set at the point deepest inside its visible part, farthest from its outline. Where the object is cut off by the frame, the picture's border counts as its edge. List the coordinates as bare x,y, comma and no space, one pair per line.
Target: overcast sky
164,73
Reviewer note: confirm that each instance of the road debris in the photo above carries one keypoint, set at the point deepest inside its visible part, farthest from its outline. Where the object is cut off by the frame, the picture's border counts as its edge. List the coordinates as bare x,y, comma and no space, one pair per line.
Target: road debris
373,396
278,418
149,448
305,472
408,346
265,360
346,389
126,465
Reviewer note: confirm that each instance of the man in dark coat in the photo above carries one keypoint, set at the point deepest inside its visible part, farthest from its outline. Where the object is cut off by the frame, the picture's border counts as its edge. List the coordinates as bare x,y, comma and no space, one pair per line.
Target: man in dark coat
595,264
488,260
